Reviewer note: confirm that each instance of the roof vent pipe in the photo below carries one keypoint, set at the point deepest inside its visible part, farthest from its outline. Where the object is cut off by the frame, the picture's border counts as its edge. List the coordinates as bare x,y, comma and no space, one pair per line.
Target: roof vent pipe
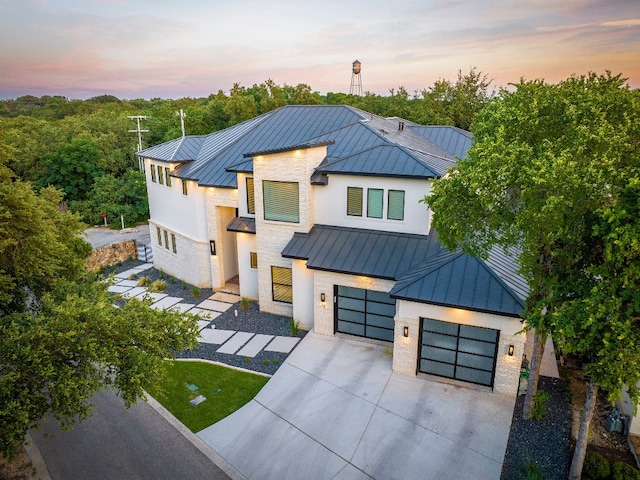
401,126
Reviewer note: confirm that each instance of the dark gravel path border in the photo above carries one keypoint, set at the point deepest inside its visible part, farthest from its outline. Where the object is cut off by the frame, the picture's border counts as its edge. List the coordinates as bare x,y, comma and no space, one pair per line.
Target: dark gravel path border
249,320
546,443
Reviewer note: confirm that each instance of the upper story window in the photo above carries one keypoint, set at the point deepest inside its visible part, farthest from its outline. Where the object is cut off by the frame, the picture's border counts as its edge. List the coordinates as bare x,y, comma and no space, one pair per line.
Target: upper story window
160,175
354,201
251,199
153,173
184,187
166,171
281,201
395,206
374,202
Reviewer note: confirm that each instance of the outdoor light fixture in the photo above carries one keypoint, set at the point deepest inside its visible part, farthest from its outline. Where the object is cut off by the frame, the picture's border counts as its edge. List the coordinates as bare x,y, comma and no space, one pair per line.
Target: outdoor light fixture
406,331
212,245
511,349
323,297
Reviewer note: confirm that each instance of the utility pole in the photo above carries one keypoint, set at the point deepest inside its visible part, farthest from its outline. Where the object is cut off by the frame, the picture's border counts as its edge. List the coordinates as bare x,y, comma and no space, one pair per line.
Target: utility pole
182,115
139,131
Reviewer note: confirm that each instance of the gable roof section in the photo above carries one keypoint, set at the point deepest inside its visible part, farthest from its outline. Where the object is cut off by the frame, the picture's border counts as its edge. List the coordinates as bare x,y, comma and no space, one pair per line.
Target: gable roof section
453,140
424,271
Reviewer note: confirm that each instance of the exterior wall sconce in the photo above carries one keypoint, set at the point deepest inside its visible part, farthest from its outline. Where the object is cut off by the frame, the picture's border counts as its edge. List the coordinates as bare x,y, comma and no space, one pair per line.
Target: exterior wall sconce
323,297
212,245
510,351
406,331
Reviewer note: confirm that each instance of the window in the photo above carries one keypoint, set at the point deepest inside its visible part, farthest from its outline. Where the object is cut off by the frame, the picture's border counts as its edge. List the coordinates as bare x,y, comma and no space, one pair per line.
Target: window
251,199
184,187
166,240
253,259
153,173
395,207
212,246
354,201
166,171
374,202
173,242
160,175
159,233
282,284
281,201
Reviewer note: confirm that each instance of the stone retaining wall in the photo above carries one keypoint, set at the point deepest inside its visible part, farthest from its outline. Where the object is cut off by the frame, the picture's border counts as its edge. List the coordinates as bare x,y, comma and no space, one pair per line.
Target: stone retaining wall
111,254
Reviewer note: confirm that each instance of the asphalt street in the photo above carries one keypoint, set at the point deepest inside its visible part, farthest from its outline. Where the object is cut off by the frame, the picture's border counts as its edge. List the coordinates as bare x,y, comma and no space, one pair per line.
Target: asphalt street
119,444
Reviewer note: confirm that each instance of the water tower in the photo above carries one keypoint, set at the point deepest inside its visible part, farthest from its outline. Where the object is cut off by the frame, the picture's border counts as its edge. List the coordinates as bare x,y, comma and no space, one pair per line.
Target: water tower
356,80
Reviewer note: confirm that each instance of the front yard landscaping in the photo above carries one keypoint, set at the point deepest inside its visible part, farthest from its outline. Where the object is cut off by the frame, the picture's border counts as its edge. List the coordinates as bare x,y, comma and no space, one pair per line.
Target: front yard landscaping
226,390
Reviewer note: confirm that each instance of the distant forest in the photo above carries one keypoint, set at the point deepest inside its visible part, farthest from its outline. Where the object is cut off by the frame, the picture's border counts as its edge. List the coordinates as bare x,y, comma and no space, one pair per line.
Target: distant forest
85,149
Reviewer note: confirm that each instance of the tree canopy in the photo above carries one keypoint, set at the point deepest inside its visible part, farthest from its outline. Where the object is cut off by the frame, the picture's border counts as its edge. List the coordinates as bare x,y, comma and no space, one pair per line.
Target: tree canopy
554,172
61,336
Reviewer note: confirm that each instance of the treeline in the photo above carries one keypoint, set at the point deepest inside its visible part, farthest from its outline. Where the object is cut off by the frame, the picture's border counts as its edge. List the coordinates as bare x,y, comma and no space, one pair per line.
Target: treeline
85,149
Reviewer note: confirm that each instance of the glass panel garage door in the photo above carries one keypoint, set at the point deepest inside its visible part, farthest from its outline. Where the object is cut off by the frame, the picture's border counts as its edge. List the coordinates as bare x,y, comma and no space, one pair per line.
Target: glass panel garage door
364,313
458,351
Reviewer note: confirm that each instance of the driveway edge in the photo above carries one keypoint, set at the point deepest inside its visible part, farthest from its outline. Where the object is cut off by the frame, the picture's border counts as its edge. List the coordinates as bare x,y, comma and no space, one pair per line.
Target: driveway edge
197,442
36,459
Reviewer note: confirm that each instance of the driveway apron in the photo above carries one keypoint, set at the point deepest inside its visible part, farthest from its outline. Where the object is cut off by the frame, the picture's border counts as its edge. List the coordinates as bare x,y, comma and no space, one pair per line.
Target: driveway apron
334,409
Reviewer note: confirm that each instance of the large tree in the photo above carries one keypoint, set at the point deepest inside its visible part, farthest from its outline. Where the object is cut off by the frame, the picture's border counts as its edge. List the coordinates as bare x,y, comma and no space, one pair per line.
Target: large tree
552,173
61,337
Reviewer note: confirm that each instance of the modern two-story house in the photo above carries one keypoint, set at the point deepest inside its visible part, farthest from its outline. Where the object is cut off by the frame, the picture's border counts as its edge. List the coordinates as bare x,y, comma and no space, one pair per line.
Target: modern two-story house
317,211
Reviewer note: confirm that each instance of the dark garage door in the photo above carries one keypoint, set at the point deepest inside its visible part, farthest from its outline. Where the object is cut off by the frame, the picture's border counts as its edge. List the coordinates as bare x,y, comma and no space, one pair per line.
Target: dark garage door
461,352
365,313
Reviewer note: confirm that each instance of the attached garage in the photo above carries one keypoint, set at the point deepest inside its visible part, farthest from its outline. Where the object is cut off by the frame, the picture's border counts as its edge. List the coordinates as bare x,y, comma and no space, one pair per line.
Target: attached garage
365,313
460,352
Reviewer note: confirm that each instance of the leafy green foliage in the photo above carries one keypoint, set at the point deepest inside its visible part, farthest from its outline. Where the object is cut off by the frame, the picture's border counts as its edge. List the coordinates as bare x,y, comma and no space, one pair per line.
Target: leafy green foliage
540,400
596,466
61,337
623,471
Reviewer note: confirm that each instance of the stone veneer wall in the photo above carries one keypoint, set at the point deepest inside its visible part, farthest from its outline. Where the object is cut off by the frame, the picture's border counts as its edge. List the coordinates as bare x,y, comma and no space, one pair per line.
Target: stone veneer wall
111,254
190,263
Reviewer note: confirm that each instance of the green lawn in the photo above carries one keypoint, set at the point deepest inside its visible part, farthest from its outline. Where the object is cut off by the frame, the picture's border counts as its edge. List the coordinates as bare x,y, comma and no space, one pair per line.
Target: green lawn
226,390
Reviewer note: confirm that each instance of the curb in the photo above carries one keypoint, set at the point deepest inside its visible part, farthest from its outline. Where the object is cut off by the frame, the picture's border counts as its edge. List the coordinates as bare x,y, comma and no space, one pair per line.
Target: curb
197,442
36,459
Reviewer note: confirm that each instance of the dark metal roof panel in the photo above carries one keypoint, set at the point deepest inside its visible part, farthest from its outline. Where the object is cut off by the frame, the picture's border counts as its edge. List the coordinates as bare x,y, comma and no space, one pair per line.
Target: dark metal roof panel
453,140
242,225
179,150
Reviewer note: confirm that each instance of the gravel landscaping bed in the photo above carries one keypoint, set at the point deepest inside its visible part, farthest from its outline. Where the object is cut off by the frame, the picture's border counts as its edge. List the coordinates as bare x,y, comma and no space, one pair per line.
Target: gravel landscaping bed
236,318
545,443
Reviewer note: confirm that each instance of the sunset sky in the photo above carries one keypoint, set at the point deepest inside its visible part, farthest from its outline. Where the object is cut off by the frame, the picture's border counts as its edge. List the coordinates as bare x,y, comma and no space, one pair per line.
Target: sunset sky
173,49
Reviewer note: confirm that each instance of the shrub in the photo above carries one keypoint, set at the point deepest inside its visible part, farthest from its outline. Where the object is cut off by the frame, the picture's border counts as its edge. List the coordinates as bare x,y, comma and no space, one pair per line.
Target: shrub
245,303
294,326
531,471
623,471
144,281
158,286
539,409
596,466
195,291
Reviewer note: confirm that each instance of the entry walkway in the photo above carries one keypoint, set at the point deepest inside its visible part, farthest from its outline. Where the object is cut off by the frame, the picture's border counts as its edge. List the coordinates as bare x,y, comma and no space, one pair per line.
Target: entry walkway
335,410
245,344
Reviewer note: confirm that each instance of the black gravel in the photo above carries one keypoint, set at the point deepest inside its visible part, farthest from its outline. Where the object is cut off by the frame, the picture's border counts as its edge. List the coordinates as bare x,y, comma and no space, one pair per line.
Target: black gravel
237,318
545,443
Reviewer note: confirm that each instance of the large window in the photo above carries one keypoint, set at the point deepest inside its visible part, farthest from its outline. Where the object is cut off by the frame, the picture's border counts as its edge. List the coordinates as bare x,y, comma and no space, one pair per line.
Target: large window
160,175
251,199
153,173
282,284
354,201
374,202
166,171
395,207
281,201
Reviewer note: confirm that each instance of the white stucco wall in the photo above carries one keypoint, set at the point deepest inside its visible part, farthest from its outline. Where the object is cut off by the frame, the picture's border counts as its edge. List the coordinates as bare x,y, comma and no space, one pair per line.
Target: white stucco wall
248,276
405,353
303,294
331,201
242,196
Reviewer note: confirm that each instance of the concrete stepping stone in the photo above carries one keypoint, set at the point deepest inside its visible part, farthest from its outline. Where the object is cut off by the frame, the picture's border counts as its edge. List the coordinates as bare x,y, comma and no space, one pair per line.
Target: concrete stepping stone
214,305
210,314
205,324
117,289
182,307
134,292
165,303
282,344
255,345
127,283
154,296
225,297
127,273
215,336
234,343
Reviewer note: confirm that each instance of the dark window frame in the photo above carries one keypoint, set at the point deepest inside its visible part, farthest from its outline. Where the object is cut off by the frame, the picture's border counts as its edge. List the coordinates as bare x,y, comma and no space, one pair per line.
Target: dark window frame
282,286
354,210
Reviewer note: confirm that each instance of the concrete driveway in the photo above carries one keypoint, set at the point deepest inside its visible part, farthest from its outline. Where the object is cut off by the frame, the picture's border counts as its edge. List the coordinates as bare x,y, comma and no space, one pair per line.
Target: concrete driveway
335,410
